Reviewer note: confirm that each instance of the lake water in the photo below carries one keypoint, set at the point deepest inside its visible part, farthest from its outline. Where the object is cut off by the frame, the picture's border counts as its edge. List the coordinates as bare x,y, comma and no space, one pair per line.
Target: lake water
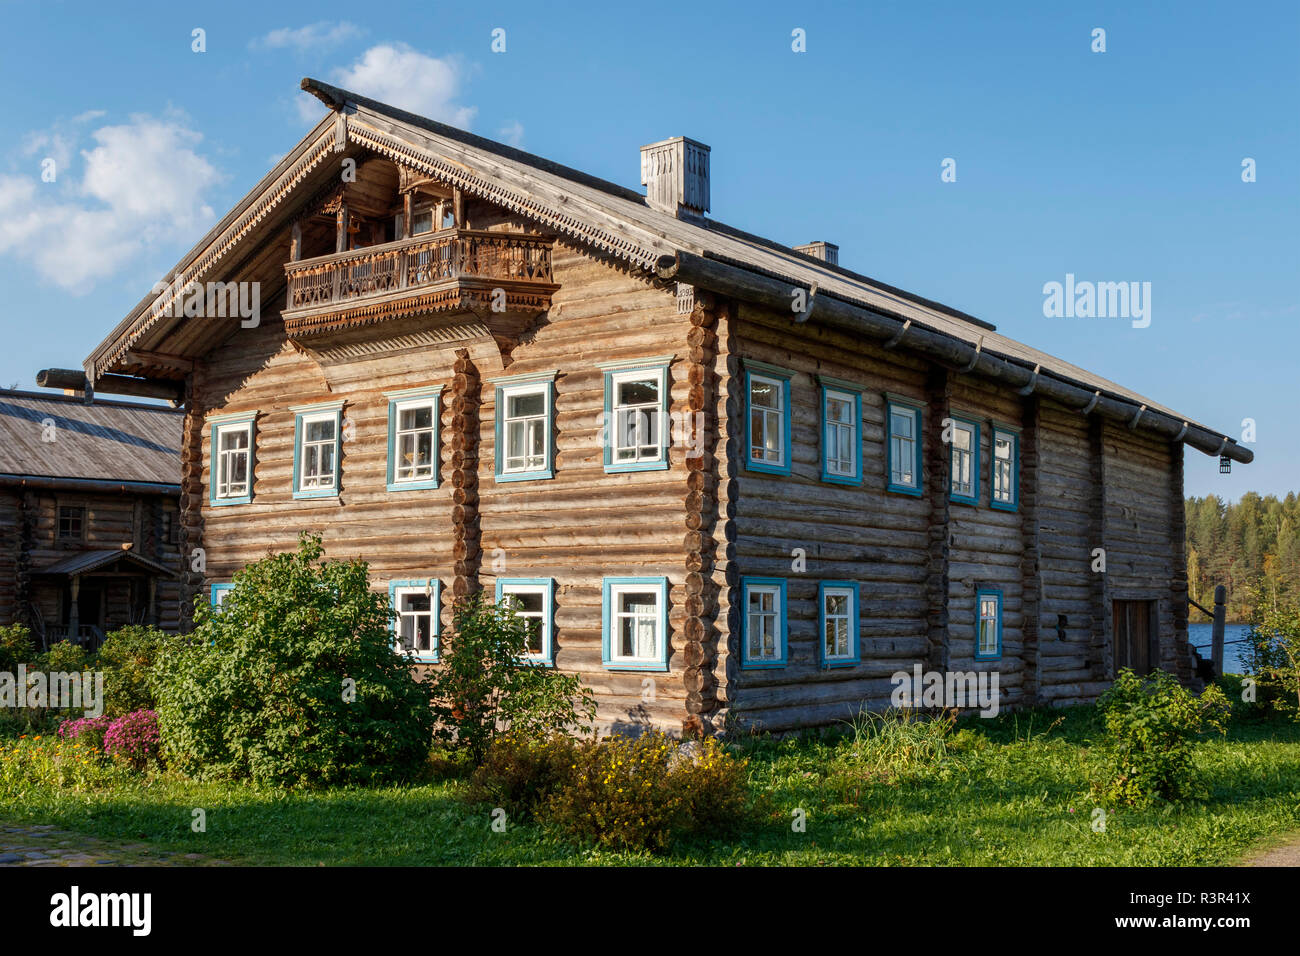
1201,635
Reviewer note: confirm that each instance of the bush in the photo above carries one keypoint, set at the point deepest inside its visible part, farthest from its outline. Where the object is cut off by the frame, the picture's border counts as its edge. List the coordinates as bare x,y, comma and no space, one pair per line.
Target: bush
641,793
484,686
1151,724
646,793
294,681
521,773
16,647
127,659
65,657
133,738
1274,656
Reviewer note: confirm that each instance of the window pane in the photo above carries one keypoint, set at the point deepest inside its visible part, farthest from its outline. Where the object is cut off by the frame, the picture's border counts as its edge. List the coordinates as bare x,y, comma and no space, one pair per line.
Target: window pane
322,430
763,394
421,417
519,406
638,393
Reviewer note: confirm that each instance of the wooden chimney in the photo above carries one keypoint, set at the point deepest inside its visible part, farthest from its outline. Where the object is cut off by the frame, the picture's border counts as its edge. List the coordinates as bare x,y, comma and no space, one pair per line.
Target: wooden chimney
676,174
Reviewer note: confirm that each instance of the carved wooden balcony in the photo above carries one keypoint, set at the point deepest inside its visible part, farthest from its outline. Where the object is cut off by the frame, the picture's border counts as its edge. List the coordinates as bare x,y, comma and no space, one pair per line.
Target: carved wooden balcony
454,270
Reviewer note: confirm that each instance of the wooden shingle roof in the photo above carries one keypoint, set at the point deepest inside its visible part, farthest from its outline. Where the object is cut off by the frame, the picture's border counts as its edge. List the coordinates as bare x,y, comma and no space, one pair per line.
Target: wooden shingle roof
612,220
60,437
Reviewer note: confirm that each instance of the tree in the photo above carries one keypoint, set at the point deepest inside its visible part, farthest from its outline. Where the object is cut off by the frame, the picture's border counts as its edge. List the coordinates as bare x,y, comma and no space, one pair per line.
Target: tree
294,681
485,686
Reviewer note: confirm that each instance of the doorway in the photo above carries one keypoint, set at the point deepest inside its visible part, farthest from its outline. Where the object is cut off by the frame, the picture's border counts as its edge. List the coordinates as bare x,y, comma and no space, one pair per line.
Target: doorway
1135,636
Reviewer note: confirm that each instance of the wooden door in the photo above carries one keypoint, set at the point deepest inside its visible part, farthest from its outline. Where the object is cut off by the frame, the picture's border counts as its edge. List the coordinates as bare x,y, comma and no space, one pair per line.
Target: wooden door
1133,631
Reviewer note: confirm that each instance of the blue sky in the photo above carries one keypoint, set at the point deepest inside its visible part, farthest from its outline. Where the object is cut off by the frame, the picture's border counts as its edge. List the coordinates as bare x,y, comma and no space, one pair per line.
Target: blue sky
1117,166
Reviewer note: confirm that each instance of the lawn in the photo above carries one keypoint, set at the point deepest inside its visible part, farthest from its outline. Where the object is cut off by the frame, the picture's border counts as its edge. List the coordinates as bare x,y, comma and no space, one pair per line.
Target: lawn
1015,791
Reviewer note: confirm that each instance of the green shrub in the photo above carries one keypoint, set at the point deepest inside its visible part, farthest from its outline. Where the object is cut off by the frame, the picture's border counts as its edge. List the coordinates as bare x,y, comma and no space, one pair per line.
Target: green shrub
483,685
294,681
645,793
521,773
16,647
66,657
1151,724
127,658
1274,656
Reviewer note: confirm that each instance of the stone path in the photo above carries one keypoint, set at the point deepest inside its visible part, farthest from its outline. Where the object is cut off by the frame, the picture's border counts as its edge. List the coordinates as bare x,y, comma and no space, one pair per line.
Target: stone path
45,845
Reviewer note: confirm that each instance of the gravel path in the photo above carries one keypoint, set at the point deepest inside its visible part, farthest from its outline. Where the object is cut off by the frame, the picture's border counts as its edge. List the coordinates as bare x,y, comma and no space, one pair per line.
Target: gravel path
1286,854
45,845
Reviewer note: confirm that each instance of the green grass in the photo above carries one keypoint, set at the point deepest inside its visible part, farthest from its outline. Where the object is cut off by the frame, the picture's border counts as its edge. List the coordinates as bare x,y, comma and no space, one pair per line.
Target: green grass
1008,791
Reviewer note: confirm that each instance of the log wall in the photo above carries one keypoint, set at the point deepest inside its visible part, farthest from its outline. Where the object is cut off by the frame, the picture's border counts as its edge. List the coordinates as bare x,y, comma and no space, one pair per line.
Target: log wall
920,561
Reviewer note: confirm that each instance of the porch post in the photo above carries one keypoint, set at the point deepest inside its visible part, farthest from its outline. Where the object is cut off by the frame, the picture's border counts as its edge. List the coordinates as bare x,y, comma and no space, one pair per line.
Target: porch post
151,617
74,613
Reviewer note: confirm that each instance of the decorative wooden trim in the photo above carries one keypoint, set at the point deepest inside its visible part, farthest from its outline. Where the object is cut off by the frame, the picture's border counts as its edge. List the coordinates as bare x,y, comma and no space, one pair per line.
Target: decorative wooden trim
498,193
272,197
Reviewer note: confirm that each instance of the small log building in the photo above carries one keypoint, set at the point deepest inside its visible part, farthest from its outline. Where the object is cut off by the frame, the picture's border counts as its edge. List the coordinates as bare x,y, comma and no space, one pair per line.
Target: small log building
89,516
721,476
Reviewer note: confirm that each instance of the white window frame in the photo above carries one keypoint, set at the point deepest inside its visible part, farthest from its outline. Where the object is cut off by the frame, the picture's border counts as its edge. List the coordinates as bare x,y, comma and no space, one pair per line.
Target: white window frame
406,405
776,614
656,616
993,598
848,617
968,456
308,419
768,413
835,426
542,421
996,498
898,443
223,458
643,451
546,615
427,591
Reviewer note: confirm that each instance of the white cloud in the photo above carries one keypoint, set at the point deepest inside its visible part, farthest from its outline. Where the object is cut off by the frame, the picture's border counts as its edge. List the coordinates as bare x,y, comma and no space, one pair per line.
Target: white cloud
313,37
512,133
395,74
143,187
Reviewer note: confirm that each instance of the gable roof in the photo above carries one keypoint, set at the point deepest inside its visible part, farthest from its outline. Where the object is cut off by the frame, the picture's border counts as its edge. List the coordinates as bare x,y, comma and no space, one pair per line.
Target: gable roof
617,222
103,441
84,562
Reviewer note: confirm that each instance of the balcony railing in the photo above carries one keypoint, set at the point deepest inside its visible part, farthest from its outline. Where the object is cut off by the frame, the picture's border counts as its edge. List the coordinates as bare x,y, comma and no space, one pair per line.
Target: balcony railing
458,261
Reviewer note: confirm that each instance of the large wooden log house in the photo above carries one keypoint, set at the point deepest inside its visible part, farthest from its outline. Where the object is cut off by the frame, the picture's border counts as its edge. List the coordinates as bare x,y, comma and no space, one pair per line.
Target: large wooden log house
89,509
714,470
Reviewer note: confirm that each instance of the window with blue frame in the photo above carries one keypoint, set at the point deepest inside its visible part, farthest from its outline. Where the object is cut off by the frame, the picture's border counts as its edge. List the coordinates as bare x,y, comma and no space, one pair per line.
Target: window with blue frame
637,424
525,417
767,412
988,635
903,446
839,623
413,421
318,449
217,596
232,461
964,461
763,638
1005,494
533,600
635,624
841,433
416,617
